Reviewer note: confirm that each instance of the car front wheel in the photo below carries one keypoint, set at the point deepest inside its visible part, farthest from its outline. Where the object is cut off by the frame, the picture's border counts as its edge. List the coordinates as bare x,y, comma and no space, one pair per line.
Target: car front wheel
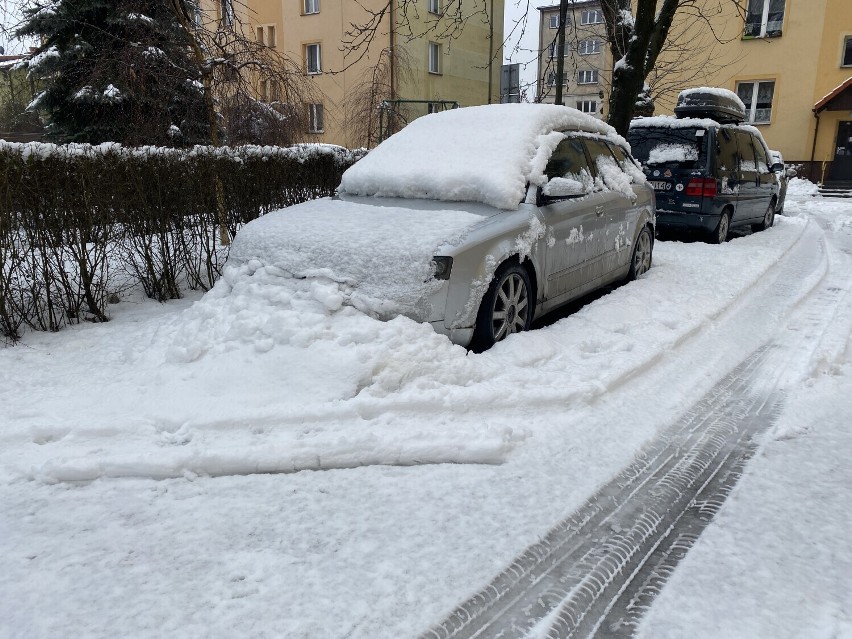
506,308
720,235
768,218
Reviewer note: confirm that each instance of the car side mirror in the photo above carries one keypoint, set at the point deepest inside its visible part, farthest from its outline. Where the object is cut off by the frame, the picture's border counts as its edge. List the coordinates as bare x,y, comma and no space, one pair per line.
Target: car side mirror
791,173
777,167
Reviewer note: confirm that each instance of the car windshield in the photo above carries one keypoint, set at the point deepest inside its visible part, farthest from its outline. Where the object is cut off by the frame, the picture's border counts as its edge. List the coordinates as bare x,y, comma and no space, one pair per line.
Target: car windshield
675,147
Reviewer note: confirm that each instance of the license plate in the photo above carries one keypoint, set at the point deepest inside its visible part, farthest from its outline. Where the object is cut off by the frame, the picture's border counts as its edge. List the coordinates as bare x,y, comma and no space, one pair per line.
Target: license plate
659,185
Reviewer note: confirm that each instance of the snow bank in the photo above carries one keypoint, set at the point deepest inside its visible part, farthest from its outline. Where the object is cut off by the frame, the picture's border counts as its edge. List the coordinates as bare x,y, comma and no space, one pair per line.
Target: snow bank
480,154
801,187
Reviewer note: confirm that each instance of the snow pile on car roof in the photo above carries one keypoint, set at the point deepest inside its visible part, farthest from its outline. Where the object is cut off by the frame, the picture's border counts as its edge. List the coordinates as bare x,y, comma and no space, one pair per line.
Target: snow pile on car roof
476,154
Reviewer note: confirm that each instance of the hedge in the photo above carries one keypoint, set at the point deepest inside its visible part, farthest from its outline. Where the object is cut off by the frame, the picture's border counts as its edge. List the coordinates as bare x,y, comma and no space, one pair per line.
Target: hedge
80,224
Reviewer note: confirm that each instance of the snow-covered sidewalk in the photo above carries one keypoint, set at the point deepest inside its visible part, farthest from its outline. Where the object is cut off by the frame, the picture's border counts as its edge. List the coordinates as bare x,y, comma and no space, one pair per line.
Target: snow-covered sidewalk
129,451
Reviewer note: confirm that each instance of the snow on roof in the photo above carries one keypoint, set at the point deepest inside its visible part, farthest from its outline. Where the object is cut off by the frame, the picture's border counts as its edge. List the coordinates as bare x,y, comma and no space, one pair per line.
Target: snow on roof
828,97
716,91
482,154
671,122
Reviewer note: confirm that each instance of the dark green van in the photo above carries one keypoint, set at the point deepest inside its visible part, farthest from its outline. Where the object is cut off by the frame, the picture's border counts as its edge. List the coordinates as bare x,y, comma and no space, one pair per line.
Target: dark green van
709,173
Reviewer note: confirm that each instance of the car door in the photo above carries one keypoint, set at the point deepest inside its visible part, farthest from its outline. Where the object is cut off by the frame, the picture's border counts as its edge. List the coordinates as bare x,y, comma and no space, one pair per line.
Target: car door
575,216
726,169
767,181
748,198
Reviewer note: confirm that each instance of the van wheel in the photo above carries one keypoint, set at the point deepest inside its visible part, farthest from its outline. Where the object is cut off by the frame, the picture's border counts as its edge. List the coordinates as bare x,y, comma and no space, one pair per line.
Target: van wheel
506,308
768,218
720,235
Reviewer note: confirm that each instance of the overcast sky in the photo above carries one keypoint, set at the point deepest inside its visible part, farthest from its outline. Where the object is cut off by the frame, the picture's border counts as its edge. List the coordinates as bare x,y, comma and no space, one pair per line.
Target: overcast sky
522,37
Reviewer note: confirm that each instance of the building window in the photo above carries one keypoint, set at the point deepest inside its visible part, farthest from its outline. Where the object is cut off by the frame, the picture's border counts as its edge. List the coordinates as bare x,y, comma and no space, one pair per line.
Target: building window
554,20
269,91
434,6
313,58
847,51
591,16
226,9
434,57
311,6
587,106
764,18
265,34
587,77
757,97
316,123
551,78
588,47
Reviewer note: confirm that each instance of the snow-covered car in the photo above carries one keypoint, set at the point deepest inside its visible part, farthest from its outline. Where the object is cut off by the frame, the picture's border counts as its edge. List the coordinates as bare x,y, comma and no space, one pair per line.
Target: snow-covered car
475,220
783,174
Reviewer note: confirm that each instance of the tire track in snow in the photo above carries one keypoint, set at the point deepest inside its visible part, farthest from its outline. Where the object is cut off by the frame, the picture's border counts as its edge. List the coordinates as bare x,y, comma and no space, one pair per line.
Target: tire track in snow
598,571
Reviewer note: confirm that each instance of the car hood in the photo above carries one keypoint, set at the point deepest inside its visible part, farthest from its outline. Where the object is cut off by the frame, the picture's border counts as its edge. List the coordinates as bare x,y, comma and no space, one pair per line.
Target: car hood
378,250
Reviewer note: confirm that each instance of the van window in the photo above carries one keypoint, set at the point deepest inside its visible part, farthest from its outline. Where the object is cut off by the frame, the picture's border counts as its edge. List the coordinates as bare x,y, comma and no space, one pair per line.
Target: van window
748,163
760,155
726,151
683,148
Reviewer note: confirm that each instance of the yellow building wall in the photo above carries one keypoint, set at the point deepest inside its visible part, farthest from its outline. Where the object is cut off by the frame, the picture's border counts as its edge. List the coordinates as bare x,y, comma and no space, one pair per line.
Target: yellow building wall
463,76
804,62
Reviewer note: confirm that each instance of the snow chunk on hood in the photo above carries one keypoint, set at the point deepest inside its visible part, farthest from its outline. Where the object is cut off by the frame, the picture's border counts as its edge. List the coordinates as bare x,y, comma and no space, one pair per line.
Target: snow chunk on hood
476,154
380,256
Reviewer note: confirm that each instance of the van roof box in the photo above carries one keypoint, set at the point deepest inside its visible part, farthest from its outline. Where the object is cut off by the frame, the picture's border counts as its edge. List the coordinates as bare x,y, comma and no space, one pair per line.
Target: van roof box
717,104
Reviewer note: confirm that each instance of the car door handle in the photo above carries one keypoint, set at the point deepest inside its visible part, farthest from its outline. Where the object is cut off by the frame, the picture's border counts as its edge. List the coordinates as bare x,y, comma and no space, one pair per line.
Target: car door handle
599,210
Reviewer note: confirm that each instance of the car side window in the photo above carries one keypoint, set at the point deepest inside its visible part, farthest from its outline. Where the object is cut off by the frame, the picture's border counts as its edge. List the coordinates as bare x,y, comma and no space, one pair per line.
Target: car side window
760,156
610,173
726,151
568,172
568,159
748,164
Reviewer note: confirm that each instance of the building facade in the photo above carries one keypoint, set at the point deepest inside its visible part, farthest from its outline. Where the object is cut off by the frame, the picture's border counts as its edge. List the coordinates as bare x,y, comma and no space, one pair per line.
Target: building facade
587,60
416,59
790,61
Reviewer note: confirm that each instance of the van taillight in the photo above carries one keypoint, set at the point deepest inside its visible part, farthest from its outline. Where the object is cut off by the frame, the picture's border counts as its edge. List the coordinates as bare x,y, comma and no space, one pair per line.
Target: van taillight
701,186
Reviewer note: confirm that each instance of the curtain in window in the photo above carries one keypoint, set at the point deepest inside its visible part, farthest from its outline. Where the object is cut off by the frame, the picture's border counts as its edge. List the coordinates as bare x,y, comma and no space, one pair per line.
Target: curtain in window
775,18
763,107
754,18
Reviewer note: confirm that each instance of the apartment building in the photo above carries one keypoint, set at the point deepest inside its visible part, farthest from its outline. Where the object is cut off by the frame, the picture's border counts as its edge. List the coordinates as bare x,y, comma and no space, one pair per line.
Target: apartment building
417,59
588,63
790,61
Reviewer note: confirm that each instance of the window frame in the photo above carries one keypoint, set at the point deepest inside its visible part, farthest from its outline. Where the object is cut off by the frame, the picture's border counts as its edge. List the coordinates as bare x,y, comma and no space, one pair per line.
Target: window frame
264,33
588,13
316,115
318,69
846,51
581,106
751,106
434,53
553,21
584,44
434,7
763,32
593,74
306,11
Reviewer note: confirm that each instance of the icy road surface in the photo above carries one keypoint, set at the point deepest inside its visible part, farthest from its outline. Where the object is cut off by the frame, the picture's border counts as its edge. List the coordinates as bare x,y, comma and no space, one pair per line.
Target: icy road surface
268,463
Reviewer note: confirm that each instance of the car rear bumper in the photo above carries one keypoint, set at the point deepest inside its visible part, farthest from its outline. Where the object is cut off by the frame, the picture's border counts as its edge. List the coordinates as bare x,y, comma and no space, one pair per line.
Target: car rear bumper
679,221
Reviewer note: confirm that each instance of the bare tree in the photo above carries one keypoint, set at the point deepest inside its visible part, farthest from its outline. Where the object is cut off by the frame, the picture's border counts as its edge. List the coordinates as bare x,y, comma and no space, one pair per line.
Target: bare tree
377,86
637,39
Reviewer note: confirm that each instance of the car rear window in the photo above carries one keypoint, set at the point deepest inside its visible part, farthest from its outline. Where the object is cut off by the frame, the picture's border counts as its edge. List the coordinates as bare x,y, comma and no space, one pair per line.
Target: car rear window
684,148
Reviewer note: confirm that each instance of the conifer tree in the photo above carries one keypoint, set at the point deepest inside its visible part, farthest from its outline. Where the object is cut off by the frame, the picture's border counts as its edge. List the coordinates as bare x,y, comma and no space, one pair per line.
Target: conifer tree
117,71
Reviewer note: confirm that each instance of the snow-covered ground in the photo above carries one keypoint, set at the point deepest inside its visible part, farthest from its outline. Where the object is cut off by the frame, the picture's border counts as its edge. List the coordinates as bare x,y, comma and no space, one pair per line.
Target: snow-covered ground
266,462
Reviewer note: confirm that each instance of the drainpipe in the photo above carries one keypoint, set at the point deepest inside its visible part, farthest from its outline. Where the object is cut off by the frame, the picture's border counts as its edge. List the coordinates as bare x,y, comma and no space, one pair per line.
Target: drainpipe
491,52
813,148
392,53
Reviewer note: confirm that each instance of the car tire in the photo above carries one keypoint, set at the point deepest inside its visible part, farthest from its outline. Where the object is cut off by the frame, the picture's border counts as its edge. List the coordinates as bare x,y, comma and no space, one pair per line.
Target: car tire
642,256
507,307
720,235
768,218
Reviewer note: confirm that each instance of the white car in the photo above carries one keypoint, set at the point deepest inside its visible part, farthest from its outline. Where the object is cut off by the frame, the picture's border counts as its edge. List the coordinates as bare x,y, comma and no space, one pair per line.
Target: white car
475,220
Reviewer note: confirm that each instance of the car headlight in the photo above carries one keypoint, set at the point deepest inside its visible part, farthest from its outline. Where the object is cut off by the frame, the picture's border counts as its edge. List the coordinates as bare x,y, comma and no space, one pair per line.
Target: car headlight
442,266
